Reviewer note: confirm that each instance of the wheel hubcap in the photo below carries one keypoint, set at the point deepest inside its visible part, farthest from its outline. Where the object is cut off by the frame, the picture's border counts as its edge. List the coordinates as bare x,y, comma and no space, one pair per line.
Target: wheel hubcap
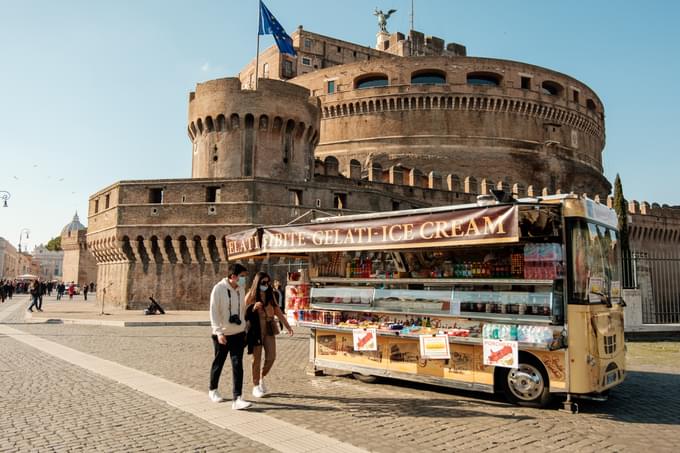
526,382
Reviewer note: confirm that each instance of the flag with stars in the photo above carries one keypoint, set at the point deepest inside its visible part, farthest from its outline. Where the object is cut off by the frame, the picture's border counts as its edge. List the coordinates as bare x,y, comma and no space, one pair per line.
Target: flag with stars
270,26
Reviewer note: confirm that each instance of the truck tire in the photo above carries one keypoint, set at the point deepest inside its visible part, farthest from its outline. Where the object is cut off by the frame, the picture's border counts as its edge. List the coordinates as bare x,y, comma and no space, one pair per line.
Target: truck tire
365,378
527,385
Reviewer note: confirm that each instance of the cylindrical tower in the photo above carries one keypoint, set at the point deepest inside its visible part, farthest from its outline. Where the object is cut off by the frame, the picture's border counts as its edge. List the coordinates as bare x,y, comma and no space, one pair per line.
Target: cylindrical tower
269,132
495,119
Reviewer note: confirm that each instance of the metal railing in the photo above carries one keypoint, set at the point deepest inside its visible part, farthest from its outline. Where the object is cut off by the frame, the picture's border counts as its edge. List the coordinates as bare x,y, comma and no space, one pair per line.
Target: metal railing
657,275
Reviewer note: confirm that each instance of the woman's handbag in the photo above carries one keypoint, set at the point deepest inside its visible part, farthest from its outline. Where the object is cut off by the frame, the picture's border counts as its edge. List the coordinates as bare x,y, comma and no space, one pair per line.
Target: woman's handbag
272,327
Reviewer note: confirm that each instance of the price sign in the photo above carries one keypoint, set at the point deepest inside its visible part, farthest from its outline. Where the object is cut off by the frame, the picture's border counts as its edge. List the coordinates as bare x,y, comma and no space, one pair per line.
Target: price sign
434,347
365,339
501,353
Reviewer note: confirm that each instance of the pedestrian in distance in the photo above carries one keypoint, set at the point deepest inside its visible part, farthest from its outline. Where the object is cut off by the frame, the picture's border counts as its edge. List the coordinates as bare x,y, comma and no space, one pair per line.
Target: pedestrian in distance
227,319
278,292
86,288
43,291
261,313
71,291
35,296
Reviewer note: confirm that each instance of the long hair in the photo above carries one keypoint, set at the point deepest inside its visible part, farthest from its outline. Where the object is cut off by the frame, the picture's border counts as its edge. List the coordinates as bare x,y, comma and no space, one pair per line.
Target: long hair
255,289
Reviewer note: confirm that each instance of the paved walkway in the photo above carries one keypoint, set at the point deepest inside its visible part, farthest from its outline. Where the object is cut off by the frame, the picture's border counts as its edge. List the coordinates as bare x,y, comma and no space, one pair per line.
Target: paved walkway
91,312
642,414
276,434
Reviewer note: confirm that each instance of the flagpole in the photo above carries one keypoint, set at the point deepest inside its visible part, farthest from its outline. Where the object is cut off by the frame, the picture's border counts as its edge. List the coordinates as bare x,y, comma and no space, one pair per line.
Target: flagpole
257,54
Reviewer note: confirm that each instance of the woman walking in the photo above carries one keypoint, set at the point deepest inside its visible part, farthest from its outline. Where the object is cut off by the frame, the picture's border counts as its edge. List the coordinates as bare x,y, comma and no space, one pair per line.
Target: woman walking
263,308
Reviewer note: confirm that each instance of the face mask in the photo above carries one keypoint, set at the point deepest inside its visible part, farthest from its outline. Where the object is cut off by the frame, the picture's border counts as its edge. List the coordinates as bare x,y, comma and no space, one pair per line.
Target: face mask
264,287
242,282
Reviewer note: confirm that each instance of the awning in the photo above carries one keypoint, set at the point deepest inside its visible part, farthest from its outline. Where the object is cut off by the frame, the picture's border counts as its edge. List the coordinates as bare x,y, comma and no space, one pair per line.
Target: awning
478,225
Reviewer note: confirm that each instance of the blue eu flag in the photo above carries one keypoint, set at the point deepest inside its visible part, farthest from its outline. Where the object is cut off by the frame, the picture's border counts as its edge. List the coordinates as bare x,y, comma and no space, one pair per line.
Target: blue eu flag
270,26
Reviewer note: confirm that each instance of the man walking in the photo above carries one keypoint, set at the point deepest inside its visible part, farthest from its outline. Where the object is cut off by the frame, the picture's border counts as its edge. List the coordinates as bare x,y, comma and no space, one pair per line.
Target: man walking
227,318
86,288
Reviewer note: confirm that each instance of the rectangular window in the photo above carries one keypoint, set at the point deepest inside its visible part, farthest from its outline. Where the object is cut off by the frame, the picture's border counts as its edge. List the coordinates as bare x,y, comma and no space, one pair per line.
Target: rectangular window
575,96
96,206
306,61
296,197
265,70
395,205
526,83
212,194
107,199
308,43
156,195
287,68
340,201
331,87
339,49
354,54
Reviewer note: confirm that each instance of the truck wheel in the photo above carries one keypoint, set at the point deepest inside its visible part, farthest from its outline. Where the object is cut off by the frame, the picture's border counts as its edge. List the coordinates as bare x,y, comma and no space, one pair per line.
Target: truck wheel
527,385
365,378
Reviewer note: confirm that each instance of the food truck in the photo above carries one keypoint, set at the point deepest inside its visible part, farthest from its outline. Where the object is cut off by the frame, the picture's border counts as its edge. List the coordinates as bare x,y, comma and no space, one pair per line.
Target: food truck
520,297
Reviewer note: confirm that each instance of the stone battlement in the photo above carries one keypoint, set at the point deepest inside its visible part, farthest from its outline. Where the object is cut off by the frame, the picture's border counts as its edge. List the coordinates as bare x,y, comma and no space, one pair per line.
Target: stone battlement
413,177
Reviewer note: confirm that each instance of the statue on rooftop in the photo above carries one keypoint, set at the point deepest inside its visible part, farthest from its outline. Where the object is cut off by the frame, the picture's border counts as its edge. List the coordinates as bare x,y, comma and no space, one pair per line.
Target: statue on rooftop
382,18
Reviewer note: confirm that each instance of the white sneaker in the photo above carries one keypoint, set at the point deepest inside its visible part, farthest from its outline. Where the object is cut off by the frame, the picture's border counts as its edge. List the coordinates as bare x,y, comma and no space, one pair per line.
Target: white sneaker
263,387
215,397
239,403
257,391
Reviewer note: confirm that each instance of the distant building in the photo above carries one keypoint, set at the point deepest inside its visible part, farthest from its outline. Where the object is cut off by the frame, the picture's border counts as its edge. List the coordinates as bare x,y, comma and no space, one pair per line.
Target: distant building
50,263
9,260
79,265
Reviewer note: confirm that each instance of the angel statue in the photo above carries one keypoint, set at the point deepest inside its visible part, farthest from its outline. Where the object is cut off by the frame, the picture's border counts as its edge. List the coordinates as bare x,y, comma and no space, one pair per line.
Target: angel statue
382,18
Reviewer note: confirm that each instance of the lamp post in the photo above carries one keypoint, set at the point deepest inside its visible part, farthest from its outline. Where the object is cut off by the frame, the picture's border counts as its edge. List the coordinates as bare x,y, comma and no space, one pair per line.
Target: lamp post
21,233
4,196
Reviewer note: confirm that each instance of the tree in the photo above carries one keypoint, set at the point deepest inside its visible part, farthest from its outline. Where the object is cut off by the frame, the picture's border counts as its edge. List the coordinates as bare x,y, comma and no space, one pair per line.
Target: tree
54,244
621,208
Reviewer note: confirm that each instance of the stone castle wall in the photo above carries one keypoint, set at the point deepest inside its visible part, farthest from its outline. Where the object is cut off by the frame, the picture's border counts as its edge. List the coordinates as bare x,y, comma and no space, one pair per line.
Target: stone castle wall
276,127
493,131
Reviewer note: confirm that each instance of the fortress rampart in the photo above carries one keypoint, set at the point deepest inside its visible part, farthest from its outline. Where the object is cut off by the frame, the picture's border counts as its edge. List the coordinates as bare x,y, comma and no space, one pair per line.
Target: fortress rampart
276,127
464,114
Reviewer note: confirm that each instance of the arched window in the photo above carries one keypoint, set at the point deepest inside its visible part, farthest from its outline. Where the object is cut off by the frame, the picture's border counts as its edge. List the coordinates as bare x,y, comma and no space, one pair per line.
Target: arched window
371,81
484,78
428,77
591,104
551,88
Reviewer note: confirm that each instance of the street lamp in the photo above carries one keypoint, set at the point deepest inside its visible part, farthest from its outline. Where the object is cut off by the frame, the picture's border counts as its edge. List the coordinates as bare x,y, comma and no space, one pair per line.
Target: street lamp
21,233
4,195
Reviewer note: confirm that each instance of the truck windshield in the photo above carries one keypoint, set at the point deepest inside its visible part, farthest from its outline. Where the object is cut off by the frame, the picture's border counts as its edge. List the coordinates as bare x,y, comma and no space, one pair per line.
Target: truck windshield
594,262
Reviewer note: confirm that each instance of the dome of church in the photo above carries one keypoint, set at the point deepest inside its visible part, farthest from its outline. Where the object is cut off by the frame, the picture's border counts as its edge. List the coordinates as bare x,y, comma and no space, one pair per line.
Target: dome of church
73,226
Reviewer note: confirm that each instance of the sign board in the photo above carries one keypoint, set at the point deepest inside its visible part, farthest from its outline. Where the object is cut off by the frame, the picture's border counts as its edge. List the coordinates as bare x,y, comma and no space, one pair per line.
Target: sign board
501,353
491,224
365,339
615,291
434,347
596,289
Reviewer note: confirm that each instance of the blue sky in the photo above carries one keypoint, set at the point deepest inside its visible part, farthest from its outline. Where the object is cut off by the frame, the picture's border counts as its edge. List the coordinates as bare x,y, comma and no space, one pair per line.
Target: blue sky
96,91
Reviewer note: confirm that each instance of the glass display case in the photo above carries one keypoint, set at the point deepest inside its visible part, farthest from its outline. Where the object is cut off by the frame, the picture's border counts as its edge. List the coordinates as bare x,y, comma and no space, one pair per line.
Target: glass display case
341,298
465,301
413,301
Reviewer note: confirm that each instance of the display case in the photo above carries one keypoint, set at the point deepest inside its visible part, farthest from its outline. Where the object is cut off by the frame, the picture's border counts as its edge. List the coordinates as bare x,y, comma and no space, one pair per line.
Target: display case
537,302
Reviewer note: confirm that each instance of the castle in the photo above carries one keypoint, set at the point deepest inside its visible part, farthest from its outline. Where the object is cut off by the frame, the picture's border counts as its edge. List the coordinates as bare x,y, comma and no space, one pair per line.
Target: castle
343,128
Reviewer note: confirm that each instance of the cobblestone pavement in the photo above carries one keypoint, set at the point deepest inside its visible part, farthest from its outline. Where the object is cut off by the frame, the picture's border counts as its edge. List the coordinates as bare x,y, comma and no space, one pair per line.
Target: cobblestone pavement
49,405
642,413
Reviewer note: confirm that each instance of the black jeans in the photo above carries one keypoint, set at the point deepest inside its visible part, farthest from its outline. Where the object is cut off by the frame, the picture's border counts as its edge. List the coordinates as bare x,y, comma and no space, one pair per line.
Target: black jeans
234,347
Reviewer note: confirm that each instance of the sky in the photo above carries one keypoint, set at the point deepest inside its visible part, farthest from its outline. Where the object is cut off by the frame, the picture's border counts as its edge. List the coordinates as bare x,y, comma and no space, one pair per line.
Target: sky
95,92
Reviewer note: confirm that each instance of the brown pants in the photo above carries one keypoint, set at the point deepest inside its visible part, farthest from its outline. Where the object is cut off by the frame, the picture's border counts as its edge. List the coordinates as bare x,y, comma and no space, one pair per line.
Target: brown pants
269,346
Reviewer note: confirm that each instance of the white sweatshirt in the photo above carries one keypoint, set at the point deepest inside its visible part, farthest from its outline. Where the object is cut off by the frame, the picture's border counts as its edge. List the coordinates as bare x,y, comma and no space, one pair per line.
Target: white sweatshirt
219,308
